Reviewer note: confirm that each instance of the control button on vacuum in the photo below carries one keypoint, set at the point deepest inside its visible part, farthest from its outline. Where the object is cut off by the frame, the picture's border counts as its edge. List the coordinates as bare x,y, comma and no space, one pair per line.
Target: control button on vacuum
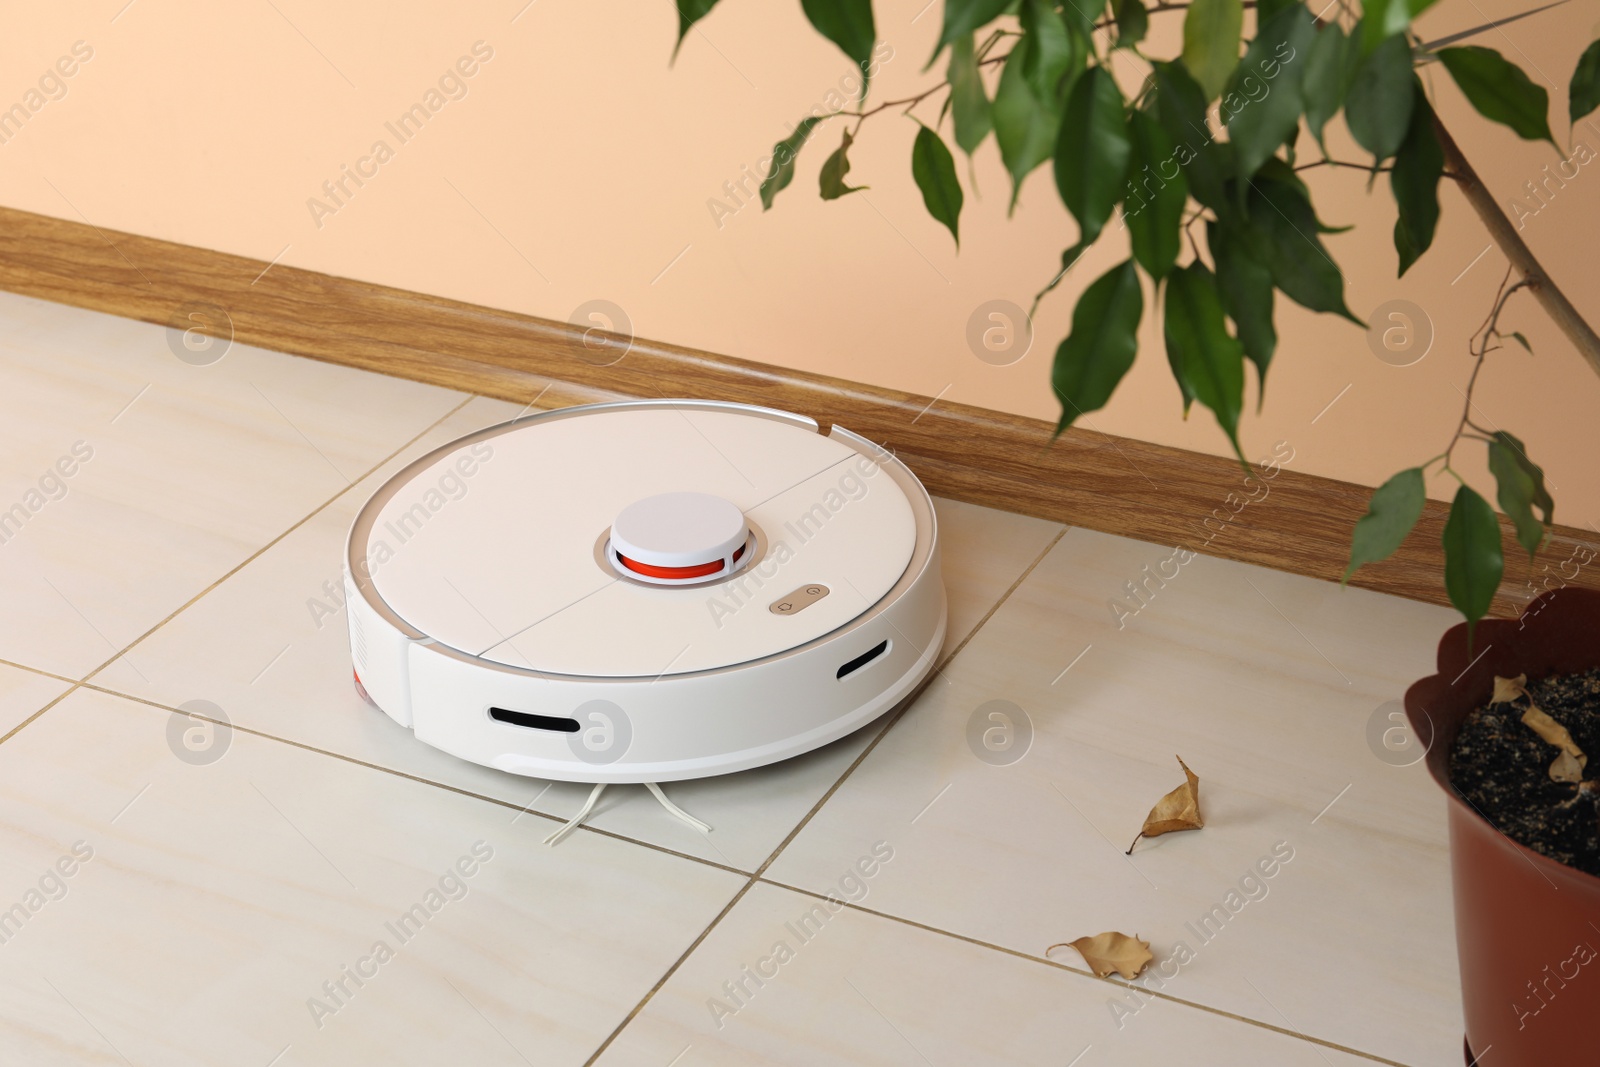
799,600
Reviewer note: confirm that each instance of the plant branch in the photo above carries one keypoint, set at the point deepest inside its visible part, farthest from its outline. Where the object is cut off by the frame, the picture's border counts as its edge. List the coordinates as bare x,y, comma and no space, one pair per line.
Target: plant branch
1504,234
1479,346
1342,163
909,102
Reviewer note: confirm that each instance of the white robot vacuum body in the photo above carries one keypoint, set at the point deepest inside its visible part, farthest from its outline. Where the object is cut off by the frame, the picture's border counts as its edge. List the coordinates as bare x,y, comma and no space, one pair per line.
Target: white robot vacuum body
644,591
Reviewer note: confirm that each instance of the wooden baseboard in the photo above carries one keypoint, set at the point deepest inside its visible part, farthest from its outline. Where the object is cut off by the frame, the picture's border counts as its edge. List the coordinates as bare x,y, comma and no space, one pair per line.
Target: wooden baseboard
1291,521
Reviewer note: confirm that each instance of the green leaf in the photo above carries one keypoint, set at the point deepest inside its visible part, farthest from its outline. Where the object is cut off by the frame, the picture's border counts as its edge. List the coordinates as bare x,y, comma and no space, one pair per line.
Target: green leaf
1541,495
1282,233
1381,19
1516,335
784,153
1091,158
1583,94
1418,167
1100,349
1330,66
1419,6
1051,49
1153,201
1260,125
1211,30
834,170
1081,15
1197,336
1521,489
1181,110
1473,563
1394,509
935,174
1267,10
689,13
969,105
1246,287
1500,90
1378,105
1133,22
848,24
961,17
1024,126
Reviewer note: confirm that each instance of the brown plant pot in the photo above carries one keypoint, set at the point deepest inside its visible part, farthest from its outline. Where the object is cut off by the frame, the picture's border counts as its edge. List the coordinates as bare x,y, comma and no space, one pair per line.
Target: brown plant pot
1523,921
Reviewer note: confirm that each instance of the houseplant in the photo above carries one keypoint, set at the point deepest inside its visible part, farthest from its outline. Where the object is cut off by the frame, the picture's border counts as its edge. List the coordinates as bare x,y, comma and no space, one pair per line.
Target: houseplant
1523,921
1154,154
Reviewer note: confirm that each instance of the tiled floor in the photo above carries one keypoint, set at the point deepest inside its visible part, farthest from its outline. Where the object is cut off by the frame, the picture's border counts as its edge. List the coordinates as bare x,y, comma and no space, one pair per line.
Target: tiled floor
229,909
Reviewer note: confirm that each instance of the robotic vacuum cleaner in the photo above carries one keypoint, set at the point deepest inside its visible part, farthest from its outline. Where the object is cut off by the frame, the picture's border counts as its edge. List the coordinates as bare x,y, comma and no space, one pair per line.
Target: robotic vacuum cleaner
644,591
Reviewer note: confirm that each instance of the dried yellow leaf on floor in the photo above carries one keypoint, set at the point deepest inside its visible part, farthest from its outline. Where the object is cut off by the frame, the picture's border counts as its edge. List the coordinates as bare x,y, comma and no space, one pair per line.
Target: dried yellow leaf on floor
1508,689
1178,810
1111,951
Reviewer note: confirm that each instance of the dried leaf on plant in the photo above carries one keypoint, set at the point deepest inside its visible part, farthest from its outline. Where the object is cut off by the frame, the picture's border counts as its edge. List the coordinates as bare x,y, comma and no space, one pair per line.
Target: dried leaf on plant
1111,951
1178,810
1508,689
1570,763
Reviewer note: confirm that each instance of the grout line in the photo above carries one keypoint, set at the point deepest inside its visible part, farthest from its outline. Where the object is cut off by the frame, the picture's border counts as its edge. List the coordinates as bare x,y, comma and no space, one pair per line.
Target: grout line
258,553
38,670
446,786
1056,964
1279,1012
667,975
895,715
15,729
889,722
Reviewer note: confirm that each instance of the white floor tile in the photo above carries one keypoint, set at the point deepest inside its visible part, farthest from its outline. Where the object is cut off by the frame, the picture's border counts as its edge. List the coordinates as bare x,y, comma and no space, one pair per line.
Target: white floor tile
132,479
199,908
984,551
1265,683
849,988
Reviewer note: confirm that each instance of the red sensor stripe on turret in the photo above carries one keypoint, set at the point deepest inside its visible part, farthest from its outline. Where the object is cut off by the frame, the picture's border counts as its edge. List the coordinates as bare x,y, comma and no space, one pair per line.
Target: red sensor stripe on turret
700,570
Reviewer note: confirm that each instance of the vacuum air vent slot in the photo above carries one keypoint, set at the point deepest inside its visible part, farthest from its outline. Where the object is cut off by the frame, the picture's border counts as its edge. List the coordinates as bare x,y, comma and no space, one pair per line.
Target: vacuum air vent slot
851,666
535,722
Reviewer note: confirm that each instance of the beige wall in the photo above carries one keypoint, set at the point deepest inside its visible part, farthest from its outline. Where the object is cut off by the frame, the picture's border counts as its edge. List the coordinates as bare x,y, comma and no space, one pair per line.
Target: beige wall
579,167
